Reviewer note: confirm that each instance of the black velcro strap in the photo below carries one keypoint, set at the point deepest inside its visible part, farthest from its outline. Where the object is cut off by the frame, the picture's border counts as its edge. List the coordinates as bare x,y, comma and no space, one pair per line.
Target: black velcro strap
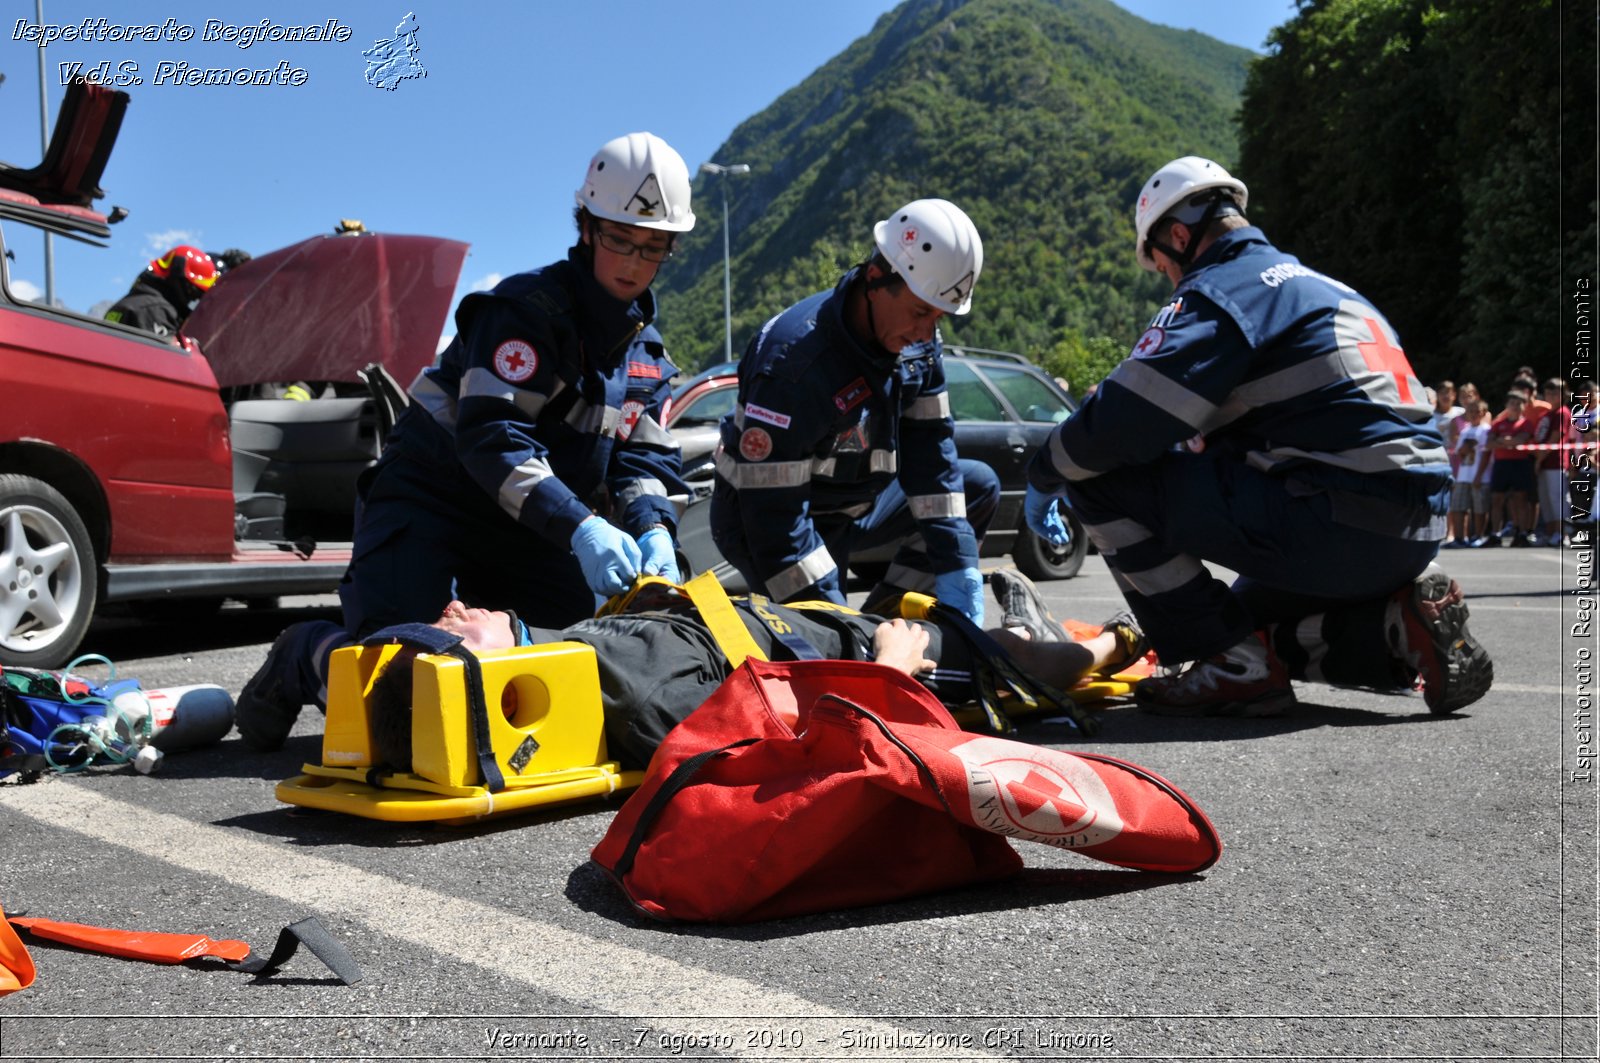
430,639
991,660
314,936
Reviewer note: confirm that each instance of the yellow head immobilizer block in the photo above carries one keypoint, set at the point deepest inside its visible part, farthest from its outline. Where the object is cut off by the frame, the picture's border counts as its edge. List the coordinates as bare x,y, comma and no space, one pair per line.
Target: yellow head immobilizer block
546,729
544,711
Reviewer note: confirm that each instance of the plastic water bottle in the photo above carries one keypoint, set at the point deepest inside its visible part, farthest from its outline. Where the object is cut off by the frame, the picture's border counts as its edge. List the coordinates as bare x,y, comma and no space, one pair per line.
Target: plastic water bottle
179,718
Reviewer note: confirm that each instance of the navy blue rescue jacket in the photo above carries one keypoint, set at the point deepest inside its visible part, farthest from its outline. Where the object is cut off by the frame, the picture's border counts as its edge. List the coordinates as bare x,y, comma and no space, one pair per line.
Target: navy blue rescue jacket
1282,367
822,425
550,389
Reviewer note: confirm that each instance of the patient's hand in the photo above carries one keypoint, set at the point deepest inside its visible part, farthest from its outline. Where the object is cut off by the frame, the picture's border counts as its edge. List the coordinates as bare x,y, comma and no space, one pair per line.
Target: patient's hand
902,647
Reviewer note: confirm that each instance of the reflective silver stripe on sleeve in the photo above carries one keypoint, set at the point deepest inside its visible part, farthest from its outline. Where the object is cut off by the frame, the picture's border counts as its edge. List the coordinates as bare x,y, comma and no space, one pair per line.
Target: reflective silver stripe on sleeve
1390,456
439,404
931,507
877,461
1149,384
1114,535
1064,464
929,407
645,485
648,432
1168,576
768,474
594,420
516,488
483,384
802,574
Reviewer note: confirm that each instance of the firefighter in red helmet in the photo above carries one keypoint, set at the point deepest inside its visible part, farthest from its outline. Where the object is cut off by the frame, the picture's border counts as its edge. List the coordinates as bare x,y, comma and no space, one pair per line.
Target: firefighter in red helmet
161,298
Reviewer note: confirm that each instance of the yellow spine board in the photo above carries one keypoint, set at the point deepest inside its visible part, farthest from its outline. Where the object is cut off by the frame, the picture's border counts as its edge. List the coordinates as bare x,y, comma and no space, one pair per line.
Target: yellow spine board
546,729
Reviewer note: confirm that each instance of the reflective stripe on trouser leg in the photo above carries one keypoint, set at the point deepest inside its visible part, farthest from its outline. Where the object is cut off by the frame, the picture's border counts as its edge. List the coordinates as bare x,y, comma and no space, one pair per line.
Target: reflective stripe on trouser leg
1346,646
891,521
1185,612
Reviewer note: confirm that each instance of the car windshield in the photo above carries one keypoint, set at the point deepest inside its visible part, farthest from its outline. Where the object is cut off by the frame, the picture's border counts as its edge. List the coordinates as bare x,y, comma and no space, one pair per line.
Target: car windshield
970,398
1031,397
709,408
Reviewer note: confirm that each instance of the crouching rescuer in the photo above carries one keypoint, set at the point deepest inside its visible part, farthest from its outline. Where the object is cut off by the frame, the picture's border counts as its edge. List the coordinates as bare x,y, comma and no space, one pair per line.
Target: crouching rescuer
1269,421
842,438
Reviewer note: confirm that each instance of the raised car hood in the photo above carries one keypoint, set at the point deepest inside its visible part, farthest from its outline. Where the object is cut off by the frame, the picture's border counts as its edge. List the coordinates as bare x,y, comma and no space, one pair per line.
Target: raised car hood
324,307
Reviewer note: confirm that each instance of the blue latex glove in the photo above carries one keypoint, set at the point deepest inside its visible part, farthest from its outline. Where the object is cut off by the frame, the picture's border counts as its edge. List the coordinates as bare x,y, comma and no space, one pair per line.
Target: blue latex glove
1039,510
660,555
962,590
608,555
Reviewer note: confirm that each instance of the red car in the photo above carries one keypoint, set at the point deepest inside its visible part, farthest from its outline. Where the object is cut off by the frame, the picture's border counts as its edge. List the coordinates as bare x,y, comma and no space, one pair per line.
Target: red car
124,477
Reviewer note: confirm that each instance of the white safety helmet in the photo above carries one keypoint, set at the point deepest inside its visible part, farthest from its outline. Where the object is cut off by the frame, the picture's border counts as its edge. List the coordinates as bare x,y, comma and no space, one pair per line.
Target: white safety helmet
936,249
639,180
1172,186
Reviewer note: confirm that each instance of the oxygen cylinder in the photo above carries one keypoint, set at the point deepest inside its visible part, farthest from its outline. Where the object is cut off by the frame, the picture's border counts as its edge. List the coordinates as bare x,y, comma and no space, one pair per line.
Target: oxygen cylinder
179,717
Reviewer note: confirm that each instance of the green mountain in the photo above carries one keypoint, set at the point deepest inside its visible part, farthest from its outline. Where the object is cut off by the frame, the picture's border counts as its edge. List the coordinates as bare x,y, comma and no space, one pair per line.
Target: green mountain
1040,118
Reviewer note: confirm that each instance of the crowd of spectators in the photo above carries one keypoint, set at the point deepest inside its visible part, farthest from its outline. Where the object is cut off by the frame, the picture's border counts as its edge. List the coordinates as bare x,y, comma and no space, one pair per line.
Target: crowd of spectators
1511,468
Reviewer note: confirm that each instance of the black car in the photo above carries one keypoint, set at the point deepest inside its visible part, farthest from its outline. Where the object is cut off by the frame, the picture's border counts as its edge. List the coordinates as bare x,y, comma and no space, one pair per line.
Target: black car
1004,408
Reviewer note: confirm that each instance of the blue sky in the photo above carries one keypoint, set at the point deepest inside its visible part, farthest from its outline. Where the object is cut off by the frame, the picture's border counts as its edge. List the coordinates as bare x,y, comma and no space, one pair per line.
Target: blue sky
487,148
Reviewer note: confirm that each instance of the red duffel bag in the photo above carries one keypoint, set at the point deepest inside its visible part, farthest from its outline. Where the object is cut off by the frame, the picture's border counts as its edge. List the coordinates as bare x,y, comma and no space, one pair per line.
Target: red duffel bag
876,794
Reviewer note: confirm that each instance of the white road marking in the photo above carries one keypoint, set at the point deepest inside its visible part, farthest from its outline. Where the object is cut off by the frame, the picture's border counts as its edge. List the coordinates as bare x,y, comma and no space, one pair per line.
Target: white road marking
600,974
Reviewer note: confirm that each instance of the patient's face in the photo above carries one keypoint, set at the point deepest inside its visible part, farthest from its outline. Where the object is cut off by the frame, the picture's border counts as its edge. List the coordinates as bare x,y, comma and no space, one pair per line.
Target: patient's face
480,629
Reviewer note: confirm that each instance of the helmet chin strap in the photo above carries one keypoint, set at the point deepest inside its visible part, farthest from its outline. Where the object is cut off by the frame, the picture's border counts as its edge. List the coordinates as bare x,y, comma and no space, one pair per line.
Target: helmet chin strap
868,286
1214,210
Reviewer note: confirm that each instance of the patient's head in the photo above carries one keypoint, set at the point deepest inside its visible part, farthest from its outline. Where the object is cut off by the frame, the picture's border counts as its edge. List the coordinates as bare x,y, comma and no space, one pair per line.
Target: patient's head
389,712
389,707
480,629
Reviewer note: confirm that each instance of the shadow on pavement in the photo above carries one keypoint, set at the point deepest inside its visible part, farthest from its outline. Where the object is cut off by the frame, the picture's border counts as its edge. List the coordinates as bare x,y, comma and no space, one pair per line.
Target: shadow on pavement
1126,724
313,827
591,889
1557,593
132,633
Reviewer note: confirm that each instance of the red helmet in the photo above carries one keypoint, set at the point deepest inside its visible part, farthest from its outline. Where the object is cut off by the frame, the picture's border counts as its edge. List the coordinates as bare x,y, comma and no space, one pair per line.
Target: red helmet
194,264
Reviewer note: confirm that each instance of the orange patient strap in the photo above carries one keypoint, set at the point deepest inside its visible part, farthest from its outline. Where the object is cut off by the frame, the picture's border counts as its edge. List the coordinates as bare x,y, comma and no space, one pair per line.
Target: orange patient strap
154,947
135,944
16,966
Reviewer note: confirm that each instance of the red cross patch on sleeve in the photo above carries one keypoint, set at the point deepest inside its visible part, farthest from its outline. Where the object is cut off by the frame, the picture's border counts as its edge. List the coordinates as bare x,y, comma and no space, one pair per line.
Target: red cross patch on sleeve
755,444
1149,343
515,361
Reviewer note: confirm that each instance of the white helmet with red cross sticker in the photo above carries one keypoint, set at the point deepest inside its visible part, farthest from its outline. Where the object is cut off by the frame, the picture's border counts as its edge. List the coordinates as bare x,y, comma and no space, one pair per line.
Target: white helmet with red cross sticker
936,250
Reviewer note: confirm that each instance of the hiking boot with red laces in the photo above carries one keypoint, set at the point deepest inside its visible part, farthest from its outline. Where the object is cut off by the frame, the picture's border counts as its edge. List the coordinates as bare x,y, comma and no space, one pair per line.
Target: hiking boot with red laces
1245,680
1454,667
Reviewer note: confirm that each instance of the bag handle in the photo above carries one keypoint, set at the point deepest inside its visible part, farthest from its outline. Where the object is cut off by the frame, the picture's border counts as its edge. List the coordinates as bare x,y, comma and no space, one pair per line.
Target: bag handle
680,778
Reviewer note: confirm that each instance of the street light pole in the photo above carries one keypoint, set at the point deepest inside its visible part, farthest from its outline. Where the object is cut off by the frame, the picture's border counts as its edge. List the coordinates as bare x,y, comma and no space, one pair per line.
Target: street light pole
727,283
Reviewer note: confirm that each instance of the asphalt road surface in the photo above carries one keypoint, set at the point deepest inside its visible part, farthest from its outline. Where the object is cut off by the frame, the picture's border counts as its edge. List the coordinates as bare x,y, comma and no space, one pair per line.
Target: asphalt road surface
1395,885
